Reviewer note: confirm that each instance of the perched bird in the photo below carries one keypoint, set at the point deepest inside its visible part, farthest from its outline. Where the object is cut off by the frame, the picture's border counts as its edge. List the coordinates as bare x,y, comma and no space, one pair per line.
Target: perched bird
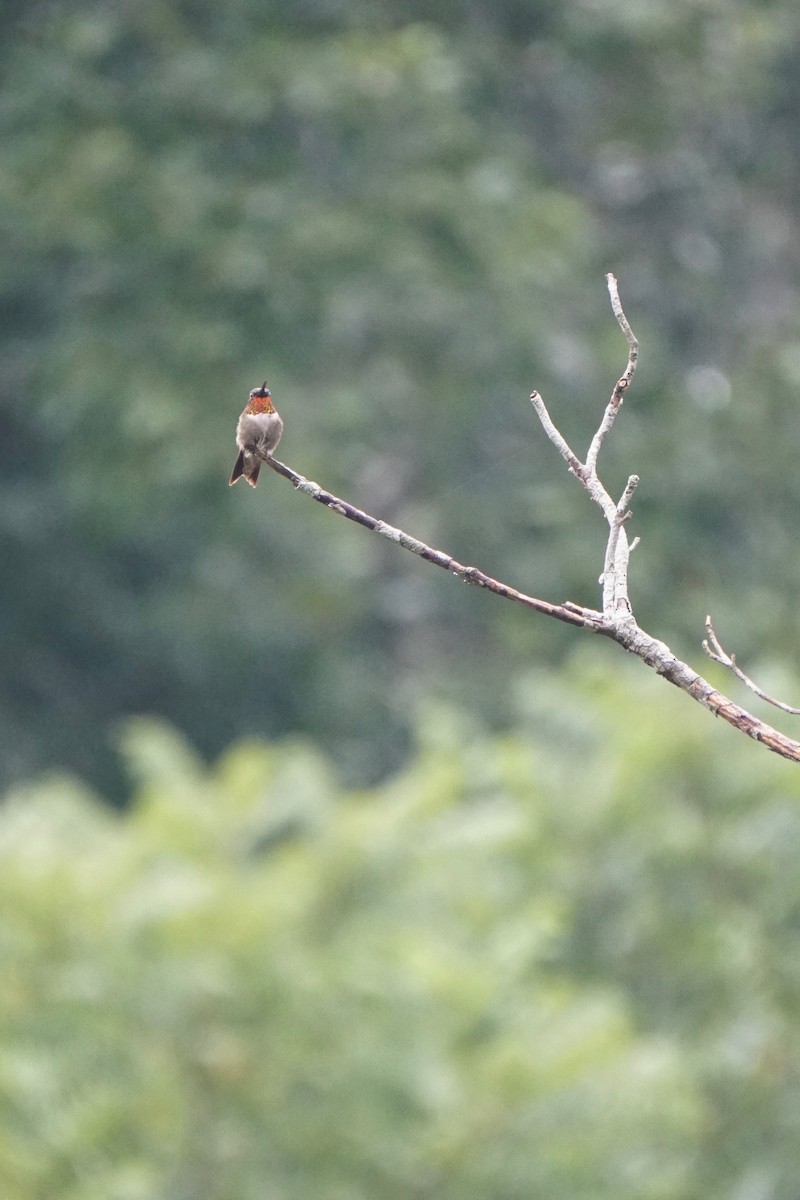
259,429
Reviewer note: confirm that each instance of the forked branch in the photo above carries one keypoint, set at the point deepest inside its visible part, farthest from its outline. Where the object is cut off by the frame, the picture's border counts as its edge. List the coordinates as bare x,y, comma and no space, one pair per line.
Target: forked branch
616,620
715,651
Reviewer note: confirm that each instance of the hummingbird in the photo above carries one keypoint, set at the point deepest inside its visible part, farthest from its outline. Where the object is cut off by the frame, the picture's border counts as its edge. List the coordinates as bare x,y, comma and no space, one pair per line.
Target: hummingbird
259,429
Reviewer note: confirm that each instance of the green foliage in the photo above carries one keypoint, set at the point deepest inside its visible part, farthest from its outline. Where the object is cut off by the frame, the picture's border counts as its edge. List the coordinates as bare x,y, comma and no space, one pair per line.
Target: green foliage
548,967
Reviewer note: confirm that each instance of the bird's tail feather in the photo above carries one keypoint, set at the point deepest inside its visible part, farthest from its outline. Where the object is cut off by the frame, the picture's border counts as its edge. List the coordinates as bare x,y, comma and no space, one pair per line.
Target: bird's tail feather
238,469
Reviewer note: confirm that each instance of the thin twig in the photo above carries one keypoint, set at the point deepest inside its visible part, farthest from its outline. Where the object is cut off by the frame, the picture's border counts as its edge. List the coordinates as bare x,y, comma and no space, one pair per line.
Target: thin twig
715,651
589,479
614,578
557,438
622,384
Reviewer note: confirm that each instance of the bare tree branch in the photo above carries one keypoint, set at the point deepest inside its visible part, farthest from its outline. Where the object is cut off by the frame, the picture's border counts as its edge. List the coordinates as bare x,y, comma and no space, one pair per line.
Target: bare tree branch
622,384
616,621
559,441
615,570
573,614
714,650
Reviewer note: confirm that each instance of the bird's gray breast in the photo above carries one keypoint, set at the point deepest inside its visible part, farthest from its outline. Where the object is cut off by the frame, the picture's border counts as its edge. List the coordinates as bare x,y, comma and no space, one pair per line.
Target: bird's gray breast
258,429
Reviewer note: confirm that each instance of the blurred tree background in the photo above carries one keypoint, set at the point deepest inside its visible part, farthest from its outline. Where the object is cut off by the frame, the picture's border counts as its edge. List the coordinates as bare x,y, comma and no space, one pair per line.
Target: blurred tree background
498,924
402,220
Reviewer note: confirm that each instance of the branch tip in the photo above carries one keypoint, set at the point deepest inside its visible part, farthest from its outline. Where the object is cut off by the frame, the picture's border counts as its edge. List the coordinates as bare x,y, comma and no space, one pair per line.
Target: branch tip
715,651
